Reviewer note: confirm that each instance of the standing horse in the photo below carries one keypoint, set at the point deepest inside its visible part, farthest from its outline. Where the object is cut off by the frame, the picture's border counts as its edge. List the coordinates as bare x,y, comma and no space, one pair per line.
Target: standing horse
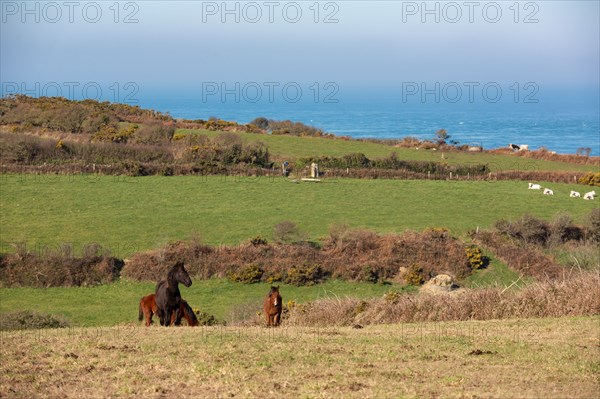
148,308
272,307
168,297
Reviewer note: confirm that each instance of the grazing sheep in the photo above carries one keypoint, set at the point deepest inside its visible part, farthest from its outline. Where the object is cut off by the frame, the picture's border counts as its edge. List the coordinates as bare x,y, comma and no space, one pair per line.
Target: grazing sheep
575,194
534,186
547,191
590,195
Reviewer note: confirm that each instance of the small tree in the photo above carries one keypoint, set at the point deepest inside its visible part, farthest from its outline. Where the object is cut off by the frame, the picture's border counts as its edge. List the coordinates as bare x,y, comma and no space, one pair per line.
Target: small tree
261,122
287,232
442,135
585,151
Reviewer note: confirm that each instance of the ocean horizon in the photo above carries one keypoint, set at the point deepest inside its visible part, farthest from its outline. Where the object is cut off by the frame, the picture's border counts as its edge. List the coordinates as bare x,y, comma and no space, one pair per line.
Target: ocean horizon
561,121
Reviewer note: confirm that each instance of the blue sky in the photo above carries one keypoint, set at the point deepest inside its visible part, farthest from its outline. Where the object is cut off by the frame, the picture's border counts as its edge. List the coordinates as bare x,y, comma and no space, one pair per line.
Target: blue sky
373,44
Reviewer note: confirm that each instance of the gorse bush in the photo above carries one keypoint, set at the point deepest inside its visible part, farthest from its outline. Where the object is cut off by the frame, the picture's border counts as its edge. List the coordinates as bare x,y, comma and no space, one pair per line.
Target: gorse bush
591,179
106,134
55,113
304,275
414,275
476,258
248,275
206,319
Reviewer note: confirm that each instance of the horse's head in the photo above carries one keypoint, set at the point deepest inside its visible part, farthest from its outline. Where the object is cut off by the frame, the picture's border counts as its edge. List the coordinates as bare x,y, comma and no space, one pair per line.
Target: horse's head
180,274
189,314
274,296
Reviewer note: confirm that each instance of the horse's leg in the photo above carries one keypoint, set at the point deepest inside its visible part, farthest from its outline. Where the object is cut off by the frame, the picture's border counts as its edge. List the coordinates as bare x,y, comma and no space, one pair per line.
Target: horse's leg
277,318
148,316
161,316
173,320
178,315
168,316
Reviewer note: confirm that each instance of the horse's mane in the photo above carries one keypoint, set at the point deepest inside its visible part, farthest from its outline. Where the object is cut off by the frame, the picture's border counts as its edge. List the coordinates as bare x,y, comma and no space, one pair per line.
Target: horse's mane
174,268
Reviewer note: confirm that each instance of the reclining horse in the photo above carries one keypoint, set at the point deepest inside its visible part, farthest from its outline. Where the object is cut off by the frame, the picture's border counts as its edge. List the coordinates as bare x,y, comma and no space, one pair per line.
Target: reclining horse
148,308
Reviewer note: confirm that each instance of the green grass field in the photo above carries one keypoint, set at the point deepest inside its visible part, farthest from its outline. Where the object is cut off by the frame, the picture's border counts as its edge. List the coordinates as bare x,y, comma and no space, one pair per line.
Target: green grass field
127,215
109,305
283,147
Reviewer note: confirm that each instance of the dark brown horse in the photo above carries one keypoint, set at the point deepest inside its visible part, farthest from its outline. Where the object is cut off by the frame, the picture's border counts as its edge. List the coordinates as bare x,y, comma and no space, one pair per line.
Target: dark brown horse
168,297
148,308
272,307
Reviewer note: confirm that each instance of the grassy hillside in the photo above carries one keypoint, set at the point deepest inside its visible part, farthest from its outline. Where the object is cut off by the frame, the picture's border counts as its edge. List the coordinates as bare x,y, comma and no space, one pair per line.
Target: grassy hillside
127,215
113,304
554,358
283,147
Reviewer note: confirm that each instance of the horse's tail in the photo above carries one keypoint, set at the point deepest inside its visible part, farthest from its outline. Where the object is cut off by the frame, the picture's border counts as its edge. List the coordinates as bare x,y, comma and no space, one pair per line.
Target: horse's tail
140,312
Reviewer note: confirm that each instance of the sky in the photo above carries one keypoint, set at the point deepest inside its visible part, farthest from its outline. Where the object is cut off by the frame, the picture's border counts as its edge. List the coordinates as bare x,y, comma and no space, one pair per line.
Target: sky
355,44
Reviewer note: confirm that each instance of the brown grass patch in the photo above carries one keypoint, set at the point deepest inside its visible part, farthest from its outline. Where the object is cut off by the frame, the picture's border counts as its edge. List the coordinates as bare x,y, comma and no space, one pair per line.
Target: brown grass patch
519,358
575,296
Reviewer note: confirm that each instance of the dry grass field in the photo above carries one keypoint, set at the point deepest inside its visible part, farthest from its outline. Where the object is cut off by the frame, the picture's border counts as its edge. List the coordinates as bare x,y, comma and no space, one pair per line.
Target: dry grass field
533,358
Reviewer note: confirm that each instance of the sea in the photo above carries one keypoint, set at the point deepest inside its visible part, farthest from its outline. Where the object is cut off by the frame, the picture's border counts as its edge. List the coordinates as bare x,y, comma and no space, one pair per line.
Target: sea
563,120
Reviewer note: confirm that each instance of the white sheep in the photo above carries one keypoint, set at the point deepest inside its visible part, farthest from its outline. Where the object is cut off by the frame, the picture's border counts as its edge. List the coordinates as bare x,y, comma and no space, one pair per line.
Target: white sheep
547,191
534,186
590,195
575,194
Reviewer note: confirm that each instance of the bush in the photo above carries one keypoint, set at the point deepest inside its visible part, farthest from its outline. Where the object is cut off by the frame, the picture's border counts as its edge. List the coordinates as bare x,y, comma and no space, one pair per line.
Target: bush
414,275
154,133
370,274
206,319
304,275
590,179
261,123
351,255
475,256
593,228
28,320
58,269
113,133
562,229
528,229
258,240
249,275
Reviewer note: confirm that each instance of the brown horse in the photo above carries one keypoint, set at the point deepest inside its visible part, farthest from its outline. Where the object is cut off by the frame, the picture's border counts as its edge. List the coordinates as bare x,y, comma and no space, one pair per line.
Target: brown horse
168,297
272,307
148,308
